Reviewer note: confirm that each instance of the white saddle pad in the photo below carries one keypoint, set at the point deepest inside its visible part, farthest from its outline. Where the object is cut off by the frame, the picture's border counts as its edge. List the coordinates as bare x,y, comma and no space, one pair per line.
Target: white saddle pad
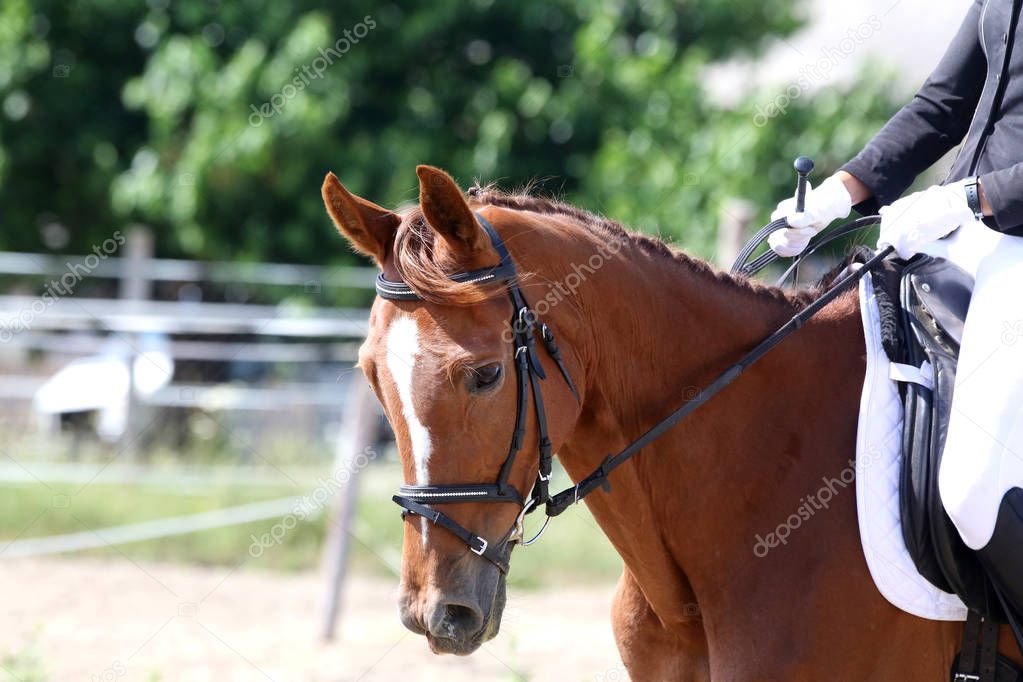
878,446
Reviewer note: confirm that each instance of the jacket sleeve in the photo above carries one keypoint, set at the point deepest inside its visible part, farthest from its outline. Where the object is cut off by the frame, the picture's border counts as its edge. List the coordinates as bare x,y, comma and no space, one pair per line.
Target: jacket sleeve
935,121
1004,191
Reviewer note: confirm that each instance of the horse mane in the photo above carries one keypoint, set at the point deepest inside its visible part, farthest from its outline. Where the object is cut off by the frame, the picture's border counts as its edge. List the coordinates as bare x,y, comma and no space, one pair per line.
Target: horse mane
414,254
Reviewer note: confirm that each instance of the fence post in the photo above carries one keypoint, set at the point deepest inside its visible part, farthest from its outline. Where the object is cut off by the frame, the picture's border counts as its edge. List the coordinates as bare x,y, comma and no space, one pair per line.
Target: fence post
135,286
135,282
358,434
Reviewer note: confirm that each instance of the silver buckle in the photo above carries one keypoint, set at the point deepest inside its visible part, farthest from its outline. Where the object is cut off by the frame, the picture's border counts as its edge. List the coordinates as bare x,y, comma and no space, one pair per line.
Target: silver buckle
526,319
481,549
964,677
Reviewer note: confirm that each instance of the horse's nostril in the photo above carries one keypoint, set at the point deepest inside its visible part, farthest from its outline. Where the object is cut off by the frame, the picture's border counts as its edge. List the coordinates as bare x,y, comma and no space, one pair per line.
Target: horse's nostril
455,621
463,615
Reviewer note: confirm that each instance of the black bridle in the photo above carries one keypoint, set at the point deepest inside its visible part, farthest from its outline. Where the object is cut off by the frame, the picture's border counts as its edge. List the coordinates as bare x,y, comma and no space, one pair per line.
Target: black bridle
415,499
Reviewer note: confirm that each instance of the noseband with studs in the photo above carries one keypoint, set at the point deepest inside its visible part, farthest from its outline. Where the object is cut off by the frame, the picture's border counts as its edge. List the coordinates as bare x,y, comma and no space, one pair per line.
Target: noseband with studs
414,499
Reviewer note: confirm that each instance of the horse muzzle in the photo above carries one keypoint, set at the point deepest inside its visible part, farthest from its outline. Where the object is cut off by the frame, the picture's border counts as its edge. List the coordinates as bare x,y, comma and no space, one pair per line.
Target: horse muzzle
456,623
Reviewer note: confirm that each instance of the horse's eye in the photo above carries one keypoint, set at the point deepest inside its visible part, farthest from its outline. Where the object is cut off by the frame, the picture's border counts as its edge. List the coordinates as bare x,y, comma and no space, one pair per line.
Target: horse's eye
484,377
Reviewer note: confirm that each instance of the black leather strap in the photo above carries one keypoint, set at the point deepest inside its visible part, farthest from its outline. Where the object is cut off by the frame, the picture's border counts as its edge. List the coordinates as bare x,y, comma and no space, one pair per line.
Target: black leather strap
502,272
547,336
971,638
496,554
972,187
988,650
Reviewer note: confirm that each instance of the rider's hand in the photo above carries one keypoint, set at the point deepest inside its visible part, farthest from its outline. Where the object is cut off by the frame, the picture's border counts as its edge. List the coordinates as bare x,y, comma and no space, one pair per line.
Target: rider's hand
824,204
921,218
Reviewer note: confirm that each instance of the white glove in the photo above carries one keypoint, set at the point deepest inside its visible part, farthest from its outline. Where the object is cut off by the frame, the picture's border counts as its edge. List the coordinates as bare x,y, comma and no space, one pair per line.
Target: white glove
828,202
921,218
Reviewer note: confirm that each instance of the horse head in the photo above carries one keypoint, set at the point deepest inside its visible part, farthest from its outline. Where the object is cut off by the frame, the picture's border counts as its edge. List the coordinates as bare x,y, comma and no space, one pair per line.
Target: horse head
446,361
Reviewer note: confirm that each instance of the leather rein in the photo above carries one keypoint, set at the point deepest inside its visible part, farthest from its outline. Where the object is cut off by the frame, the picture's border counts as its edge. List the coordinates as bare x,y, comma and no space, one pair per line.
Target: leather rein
420,500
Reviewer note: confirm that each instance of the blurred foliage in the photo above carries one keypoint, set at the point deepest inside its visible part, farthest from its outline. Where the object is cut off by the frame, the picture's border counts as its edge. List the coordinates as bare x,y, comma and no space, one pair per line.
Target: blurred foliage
24,664
215,121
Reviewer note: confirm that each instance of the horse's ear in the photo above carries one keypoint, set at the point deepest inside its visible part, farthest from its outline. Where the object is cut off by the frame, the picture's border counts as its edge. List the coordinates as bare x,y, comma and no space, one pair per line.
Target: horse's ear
370,228
448,213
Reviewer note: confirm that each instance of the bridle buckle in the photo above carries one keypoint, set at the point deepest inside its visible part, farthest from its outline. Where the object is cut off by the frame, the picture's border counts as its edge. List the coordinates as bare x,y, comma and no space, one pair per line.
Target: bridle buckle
527,319
482,549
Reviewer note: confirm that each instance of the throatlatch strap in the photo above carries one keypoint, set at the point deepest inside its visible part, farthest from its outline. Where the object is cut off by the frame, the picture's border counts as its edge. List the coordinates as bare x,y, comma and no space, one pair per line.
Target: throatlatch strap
552,349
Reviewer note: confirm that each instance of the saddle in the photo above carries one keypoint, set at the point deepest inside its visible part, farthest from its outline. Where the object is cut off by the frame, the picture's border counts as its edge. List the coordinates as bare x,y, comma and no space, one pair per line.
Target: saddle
923,304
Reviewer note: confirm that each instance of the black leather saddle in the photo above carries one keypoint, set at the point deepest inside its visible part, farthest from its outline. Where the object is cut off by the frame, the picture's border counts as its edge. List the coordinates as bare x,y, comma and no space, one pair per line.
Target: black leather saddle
933,297
923,304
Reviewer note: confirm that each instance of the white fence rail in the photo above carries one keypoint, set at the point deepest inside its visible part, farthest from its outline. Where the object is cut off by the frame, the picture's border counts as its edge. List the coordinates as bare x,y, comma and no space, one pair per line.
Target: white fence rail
66,324
165,269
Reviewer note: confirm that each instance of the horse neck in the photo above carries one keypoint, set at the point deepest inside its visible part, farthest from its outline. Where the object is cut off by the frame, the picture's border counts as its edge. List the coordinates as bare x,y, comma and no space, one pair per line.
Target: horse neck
687,509
659,325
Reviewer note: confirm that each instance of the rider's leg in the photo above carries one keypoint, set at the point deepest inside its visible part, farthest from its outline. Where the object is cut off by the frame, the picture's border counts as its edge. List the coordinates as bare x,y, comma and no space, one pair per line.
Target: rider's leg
981,477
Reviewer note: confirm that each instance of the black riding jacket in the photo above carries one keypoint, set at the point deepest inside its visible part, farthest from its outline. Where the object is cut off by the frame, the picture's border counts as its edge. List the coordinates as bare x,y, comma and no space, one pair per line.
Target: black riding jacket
976,92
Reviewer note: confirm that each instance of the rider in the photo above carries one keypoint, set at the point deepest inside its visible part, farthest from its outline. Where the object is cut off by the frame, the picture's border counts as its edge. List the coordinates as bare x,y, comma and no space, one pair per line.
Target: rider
974,218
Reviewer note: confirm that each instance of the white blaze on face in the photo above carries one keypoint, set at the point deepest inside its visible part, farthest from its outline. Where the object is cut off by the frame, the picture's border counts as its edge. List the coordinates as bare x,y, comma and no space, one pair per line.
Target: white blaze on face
402,352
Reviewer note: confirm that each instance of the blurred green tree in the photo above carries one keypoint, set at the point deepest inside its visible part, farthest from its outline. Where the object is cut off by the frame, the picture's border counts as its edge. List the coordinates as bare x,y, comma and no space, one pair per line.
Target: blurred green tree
215,121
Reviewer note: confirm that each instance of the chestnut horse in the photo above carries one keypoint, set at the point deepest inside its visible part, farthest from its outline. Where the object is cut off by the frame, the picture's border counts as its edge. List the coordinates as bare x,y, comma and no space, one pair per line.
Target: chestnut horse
638,325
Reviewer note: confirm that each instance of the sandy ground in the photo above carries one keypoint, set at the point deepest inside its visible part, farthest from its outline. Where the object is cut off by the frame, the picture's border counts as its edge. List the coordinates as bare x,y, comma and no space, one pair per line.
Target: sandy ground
117,620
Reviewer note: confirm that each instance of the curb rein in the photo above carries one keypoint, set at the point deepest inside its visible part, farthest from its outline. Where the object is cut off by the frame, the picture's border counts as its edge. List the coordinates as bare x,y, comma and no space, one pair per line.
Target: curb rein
415,499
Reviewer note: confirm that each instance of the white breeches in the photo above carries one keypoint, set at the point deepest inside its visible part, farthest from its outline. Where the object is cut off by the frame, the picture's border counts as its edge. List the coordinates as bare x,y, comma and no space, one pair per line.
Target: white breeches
983,455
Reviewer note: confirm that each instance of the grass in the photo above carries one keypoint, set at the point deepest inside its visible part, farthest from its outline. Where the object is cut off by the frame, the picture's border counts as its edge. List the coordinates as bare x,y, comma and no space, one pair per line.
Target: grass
573,550
24,665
